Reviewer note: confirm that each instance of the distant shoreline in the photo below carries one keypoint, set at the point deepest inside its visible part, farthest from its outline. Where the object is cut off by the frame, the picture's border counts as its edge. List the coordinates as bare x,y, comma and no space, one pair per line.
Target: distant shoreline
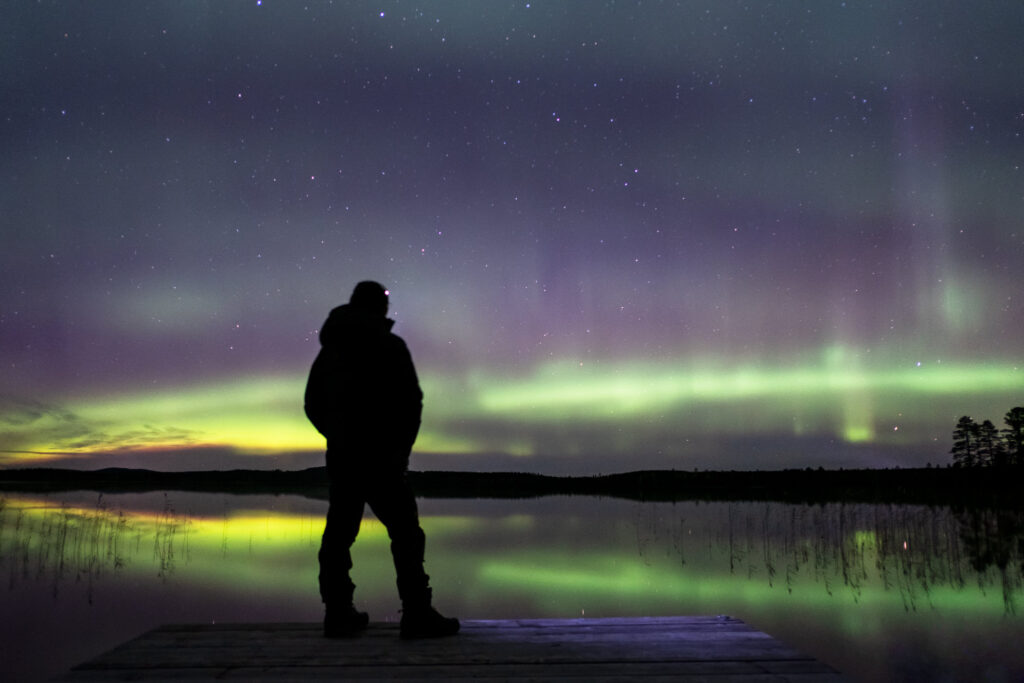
987,487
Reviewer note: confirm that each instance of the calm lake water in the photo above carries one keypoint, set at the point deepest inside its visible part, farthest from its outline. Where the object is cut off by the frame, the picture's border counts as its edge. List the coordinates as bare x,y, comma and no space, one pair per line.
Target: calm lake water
879,592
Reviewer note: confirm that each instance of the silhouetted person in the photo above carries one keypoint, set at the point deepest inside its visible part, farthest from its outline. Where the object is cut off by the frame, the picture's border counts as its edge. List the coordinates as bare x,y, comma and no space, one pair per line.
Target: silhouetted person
364,397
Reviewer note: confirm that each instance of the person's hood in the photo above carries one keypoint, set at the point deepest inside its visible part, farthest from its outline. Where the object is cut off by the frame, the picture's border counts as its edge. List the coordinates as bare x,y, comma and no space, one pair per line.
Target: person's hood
348,322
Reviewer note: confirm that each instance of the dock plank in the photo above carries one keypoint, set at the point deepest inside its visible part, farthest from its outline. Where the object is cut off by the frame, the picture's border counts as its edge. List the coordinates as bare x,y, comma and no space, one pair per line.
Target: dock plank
651,648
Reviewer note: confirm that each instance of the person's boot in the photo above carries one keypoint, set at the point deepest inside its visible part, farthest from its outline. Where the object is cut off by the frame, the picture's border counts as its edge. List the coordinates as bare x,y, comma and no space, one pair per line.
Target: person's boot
344,621
420,620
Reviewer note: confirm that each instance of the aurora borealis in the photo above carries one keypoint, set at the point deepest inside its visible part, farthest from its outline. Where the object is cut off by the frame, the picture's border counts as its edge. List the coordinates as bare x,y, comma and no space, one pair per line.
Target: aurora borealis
618,235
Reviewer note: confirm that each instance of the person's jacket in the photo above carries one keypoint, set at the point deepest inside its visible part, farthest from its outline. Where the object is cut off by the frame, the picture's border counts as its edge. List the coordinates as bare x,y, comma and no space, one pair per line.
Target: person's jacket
362,391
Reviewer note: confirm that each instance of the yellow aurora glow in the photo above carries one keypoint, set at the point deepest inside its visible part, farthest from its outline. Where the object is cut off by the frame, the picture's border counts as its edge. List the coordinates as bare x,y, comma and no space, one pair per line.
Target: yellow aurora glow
263,415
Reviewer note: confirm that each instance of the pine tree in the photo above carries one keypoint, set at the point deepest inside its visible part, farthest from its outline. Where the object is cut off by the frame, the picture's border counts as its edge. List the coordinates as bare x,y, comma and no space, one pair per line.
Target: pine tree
965,447
1014,420
991,450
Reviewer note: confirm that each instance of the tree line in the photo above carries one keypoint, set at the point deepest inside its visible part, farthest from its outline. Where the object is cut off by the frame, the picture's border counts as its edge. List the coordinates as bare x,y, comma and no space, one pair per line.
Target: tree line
985,445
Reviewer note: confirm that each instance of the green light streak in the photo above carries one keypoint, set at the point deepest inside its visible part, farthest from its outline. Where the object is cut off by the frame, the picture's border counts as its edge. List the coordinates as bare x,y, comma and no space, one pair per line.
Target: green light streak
254,414
839,395
560,389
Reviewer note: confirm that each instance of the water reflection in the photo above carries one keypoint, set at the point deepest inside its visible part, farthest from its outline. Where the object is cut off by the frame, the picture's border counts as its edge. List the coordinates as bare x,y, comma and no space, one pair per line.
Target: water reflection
54,543
921,555
830,579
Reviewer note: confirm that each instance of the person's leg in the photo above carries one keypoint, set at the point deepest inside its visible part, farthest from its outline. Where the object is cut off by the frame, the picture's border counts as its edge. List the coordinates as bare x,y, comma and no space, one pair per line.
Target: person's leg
344,516
394,503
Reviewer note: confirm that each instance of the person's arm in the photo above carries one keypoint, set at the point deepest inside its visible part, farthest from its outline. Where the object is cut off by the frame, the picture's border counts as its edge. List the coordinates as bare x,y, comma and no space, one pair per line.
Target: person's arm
317,403
411,399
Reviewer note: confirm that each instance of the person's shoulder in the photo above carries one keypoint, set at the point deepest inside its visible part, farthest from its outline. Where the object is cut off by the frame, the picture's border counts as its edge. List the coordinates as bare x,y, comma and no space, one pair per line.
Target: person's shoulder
394,343
395,339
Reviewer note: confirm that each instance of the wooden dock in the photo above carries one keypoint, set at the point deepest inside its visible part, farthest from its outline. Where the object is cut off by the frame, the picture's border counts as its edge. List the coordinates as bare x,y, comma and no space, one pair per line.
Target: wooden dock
651,648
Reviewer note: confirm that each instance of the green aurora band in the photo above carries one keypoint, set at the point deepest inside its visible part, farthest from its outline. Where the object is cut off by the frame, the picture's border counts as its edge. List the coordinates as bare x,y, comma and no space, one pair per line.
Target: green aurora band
837,397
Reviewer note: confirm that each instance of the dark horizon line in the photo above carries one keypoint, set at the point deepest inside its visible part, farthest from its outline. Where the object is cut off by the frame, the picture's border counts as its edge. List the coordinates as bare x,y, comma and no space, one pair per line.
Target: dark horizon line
987,487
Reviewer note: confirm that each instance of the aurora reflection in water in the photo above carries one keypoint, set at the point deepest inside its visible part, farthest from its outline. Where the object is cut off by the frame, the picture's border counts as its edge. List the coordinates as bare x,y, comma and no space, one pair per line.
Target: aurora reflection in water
879,592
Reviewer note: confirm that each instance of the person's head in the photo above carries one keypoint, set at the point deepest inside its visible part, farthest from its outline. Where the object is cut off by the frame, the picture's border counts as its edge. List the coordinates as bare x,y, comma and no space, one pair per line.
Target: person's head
371,297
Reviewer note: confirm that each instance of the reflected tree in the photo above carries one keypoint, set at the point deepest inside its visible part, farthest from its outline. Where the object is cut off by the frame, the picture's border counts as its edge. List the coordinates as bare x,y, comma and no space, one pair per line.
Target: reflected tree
993,541
849,551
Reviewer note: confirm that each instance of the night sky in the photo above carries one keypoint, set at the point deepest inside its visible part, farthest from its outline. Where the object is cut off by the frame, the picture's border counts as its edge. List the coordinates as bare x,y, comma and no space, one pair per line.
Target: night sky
617,235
